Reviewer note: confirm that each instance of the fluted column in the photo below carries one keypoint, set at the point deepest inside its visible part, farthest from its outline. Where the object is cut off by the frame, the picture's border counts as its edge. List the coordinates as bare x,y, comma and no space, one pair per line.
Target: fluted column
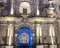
10,34
41,41
52,33
38,34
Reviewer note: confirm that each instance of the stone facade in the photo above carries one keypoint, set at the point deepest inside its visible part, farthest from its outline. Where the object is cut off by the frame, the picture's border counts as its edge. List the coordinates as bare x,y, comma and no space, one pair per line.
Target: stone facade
45,29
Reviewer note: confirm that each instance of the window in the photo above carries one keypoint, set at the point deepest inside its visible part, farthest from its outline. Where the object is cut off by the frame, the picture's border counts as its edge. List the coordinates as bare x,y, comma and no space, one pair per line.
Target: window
24,11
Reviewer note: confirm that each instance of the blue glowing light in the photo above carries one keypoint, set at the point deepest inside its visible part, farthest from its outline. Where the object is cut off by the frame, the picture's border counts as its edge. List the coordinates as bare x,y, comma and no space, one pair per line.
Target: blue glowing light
28,31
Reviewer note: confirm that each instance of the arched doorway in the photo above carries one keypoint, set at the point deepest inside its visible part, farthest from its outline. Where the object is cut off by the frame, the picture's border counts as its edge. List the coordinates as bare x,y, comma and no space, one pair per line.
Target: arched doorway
24,37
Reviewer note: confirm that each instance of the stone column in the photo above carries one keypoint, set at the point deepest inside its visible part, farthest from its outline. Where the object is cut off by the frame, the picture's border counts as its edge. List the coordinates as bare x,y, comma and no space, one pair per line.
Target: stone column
37,33
40,32
52,34
10,34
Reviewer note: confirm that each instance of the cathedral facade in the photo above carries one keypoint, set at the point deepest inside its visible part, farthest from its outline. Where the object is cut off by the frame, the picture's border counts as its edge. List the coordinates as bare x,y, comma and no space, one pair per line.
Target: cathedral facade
29,24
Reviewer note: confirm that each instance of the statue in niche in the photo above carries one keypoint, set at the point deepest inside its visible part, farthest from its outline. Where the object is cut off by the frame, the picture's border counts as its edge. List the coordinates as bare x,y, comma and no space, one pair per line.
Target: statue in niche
24,38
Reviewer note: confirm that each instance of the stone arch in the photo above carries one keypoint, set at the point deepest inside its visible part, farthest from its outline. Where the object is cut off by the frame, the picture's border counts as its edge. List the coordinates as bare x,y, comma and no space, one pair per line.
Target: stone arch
22,33
24,5
27,25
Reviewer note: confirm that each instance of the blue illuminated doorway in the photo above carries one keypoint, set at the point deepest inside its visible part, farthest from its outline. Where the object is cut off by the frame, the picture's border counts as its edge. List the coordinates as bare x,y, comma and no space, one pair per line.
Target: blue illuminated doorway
24,37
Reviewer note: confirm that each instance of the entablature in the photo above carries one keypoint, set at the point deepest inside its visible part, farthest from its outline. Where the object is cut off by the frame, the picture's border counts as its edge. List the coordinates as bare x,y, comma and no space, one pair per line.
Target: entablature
33,19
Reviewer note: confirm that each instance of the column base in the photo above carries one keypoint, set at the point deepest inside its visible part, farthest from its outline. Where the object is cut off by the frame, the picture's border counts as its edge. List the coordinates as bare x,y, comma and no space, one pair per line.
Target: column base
53,46
39,46
9,46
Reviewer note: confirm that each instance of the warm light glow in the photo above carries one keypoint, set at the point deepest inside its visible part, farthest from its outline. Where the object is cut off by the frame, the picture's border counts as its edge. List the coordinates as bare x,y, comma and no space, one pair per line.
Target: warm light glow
38,12
51,12
12,10
37,30
52,40
51,33
10,34
40,31
9,19
52,8
10,40
24,5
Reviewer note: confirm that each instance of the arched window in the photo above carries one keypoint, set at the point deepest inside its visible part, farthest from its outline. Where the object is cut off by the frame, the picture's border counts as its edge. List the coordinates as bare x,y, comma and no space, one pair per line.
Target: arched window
24,8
